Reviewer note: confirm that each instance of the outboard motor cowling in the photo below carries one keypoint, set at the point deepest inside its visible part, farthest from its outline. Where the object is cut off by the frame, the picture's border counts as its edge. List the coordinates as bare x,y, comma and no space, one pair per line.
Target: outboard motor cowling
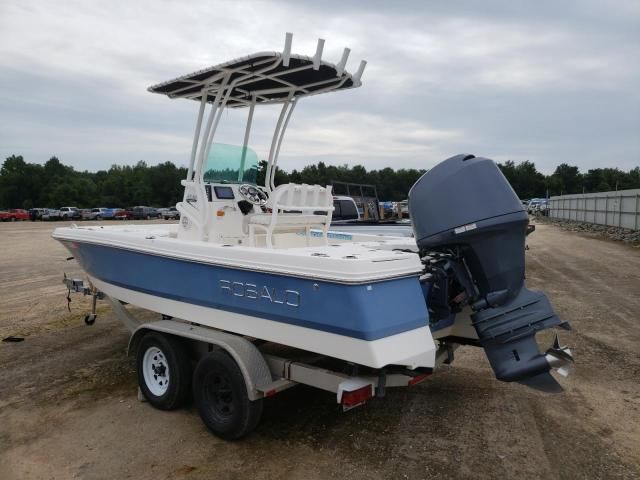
470,228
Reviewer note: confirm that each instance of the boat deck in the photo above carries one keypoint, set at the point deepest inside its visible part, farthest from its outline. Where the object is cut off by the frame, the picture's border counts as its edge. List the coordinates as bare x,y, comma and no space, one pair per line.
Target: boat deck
347,257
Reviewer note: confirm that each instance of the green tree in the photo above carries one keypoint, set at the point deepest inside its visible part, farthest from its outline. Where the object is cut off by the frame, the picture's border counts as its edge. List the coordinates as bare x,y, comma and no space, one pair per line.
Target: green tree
566,179
524,178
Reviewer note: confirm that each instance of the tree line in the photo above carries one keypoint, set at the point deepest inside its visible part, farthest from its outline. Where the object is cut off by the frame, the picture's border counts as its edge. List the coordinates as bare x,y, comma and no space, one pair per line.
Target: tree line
28,185
52,185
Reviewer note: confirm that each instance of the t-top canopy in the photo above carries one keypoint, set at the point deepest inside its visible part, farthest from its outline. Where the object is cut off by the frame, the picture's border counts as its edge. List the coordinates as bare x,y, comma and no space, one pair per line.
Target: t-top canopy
269,77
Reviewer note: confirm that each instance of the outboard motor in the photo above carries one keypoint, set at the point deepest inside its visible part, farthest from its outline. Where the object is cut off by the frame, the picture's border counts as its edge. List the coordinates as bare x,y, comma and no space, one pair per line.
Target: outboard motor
470,228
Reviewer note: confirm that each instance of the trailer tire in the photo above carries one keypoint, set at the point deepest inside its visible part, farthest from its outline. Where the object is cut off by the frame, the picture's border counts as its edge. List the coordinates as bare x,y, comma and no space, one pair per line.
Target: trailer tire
164,370
220,395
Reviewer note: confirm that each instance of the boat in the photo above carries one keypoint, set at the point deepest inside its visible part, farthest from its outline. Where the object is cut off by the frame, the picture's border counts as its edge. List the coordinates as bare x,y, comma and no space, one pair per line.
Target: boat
261,261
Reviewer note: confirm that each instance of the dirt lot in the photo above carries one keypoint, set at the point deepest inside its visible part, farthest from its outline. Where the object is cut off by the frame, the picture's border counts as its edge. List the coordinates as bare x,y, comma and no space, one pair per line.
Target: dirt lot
68,405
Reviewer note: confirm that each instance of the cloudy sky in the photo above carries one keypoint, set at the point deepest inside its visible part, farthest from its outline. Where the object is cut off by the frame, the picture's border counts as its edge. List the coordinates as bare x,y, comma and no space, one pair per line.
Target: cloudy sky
547,81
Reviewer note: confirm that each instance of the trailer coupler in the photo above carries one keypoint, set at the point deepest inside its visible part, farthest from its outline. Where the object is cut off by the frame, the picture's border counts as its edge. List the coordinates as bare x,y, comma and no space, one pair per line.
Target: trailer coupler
76,285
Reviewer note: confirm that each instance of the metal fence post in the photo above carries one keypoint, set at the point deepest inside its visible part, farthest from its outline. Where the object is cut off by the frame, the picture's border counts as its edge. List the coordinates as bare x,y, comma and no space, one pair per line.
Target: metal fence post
619,211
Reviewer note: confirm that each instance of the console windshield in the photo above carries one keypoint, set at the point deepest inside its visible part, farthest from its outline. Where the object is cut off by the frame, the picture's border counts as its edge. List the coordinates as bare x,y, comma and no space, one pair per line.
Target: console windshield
231,164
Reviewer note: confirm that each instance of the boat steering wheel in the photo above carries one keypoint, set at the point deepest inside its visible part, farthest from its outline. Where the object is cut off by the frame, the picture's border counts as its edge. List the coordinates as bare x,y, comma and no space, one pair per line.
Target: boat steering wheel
253,194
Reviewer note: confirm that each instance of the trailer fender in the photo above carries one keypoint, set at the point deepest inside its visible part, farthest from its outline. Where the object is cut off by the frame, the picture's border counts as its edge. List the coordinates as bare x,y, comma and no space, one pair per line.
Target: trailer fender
249,359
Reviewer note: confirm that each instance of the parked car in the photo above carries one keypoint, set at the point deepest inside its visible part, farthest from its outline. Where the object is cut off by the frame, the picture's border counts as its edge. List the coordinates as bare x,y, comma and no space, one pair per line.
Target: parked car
170,213
98,213
532,204
543,207
109,213
17,214
85,213
70,213
36,213
536,205
114,213
51,214
145,212
14,214
119,214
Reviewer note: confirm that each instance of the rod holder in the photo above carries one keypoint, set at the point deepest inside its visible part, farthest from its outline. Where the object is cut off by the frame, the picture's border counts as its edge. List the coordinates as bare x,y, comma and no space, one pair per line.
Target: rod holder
286,53
358,74
318,56
343,62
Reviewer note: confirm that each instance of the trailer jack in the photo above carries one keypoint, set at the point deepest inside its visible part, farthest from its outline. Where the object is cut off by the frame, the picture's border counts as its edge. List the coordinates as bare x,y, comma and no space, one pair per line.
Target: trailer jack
76,285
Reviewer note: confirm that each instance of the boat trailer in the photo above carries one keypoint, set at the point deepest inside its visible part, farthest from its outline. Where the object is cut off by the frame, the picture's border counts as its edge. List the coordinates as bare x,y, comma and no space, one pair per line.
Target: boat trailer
266,368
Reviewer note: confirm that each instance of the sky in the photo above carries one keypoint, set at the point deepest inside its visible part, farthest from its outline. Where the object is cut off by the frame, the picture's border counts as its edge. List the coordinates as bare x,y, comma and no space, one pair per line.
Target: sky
547,81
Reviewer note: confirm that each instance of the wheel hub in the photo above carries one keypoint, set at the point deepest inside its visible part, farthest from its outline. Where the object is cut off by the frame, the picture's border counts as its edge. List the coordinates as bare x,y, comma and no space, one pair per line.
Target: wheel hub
155,369
220,395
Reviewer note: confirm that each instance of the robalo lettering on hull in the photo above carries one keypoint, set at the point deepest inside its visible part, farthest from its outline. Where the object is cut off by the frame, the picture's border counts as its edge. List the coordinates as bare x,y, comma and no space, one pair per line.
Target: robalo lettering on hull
252,291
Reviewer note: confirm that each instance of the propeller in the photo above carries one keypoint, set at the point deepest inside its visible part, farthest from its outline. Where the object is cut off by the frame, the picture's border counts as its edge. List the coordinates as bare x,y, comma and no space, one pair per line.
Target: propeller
559,357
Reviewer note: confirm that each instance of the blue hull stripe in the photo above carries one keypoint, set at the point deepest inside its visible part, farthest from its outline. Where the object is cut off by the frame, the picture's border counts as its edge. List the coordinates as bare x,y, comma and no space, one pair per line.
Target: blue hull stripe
368,311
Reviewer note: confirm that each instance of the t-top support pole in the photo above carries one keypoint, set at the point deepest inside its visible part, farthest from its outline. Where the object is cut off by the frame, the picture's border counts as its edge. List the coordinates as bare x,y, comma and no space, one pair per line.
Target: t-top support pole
223,104
268,183
221,108
196,136
207,129
245,142
277,155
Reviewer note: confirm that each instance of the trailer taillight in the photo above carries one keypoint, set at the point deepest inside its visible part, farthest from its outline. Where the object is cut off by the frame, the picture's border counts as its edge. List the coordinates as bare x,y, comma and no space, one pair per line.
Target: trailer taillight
417,379
356,397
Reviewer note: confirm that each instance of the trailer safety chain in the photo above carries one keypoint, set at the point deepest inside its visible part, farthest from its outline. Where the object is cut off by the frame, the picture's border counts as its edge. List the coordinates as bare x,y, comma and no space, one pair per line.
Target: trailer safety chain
69,299
64,280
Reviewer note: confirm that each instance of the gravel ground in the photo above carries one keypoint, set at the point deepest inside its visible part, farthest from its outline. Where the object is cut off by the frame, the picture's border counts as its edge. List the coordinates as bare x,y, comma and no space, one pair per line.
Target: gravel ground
625,235
68,405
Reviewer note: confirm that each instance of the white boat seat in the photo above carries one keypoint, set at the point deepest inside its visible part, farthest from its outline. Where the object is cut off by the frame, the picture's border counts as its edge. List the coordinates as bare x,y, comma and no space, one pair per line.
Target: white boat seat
294,207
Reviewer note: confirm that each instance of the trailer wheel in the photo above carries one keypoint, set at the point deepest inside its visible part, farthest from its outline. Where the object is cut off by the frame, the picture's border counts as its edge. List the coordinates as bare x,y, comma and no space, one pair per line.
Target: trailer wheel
220,394
164,370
